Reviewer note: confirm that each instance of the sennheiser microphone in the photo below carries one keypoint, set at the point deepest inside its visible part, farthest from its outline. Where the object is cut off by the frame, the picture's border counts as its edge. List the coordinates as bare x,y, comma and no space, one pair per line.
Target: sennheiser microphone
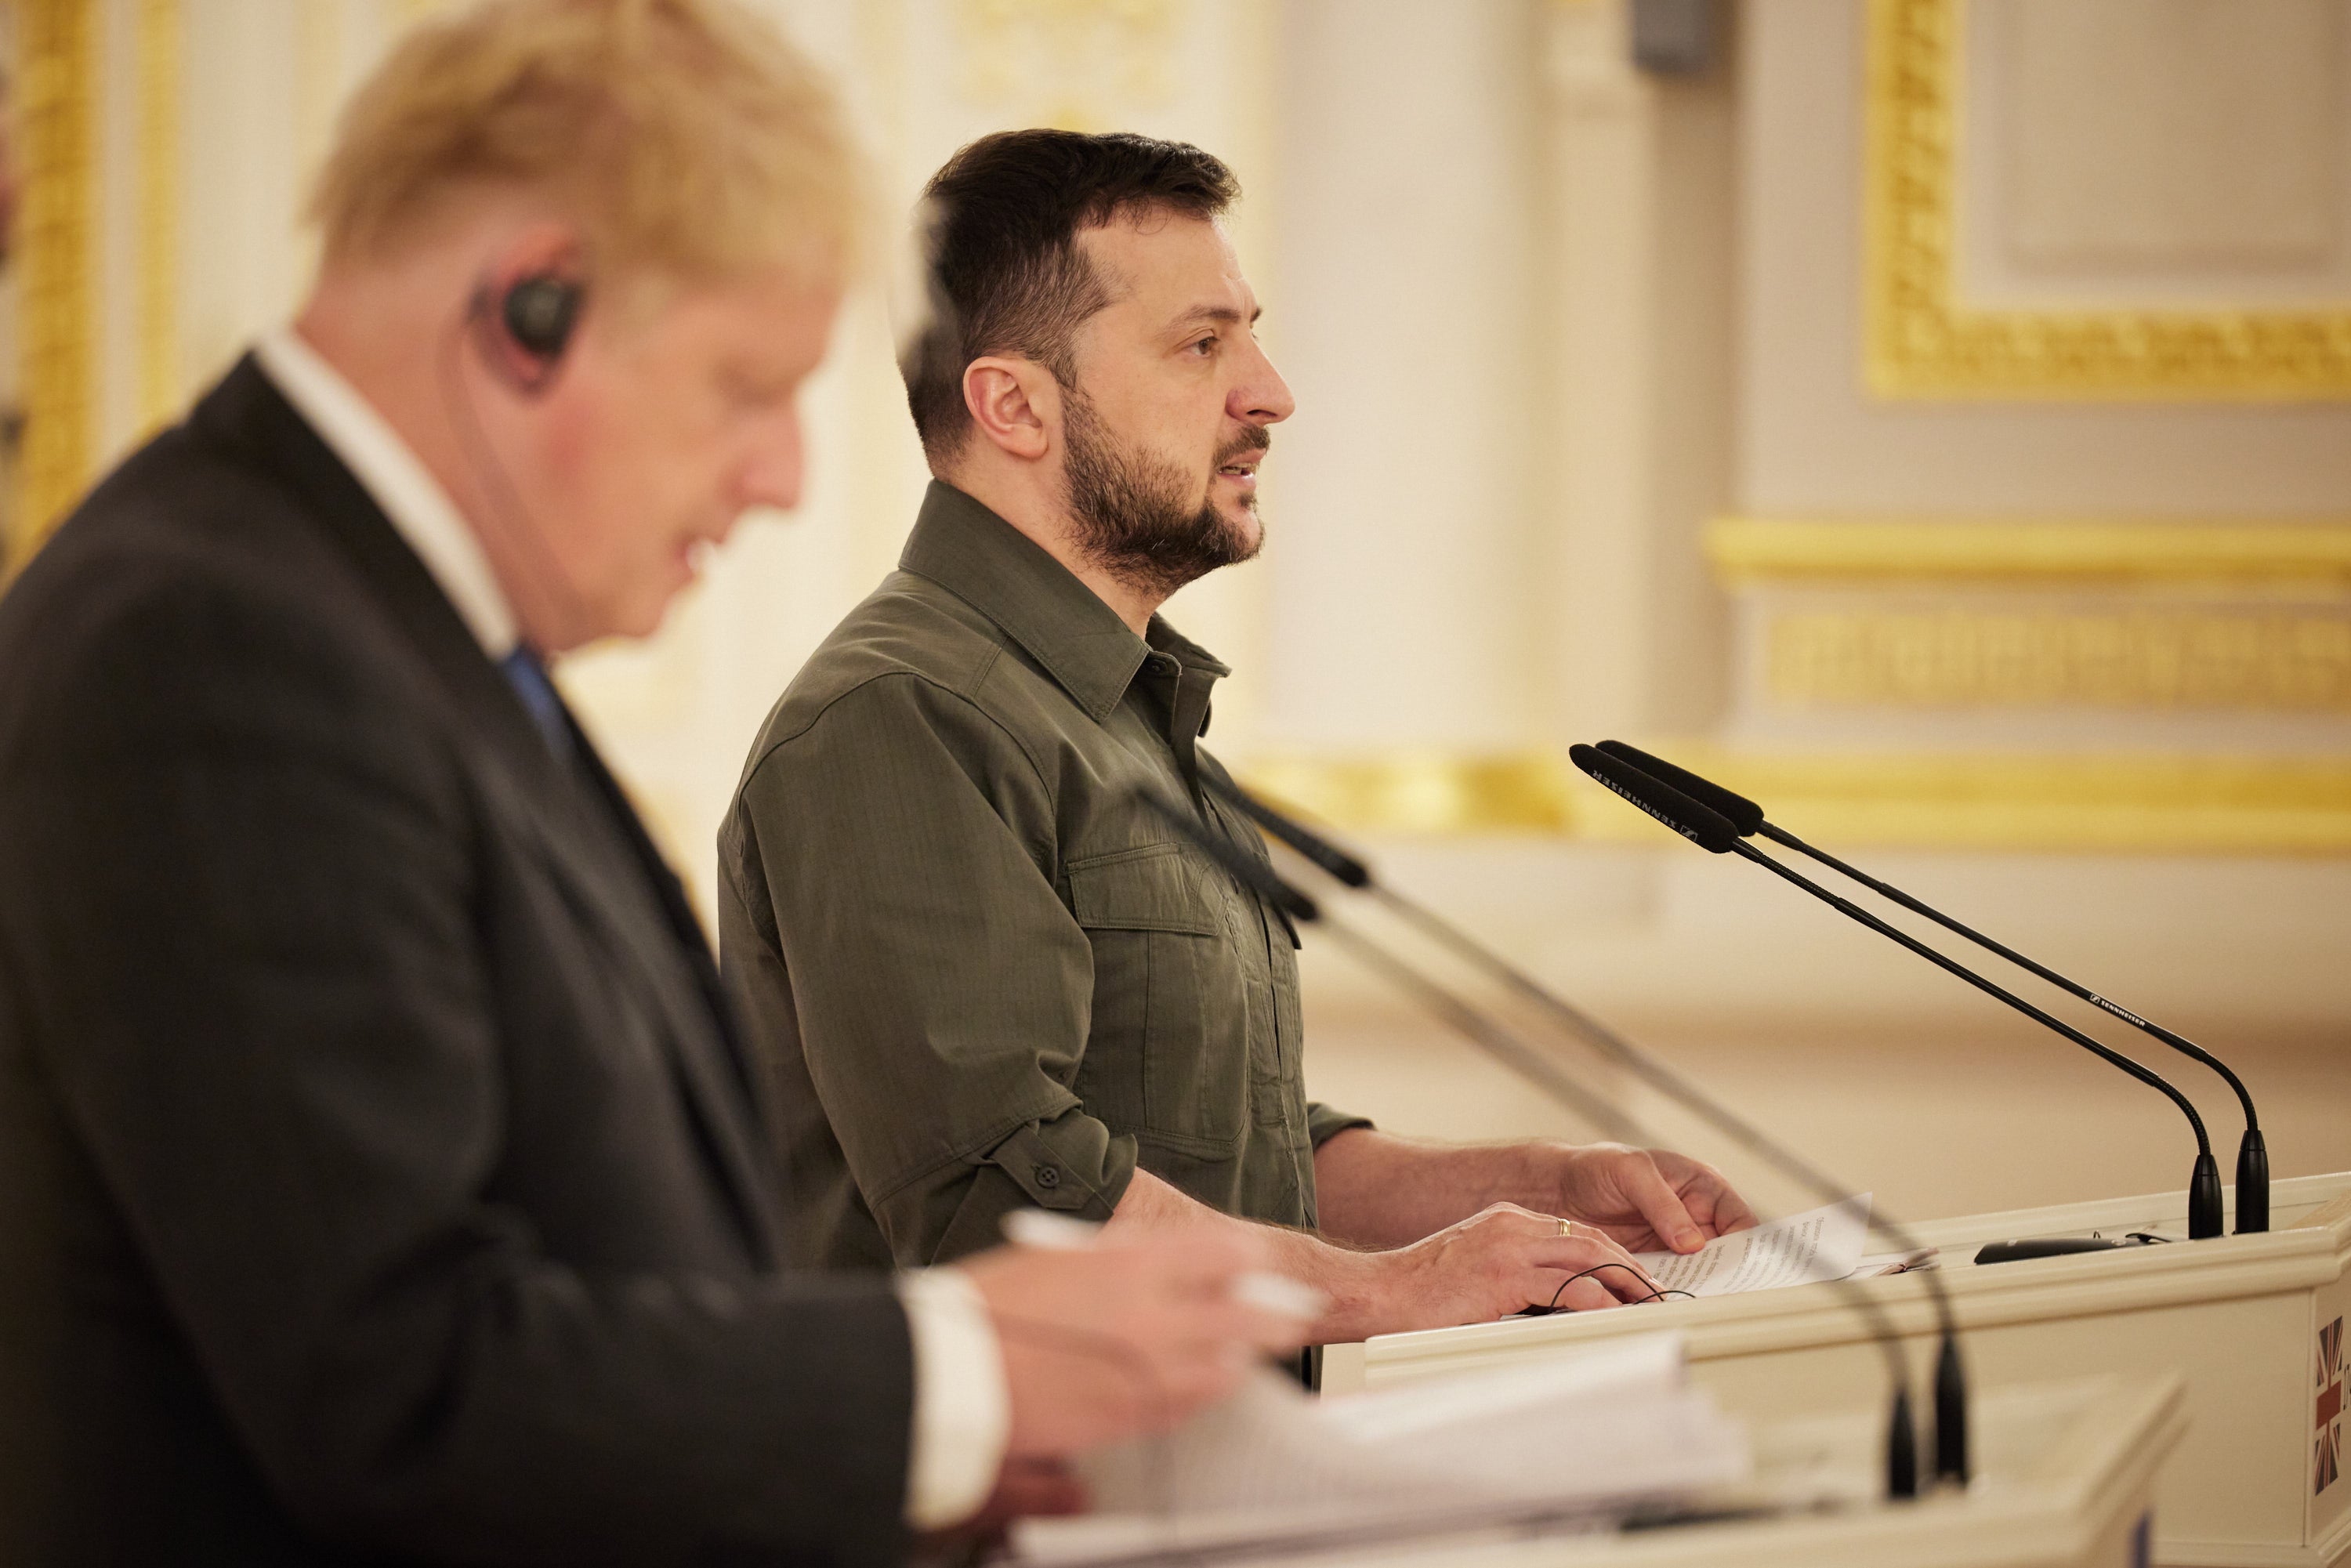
1254,875
1746,818
1710,830
1951,1453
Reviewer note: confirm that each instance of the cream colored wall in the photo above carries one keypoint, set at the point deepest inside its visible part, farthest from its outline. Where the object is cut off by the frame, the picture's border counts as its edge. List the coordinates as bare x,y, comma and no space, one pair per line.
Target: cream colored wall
1402,497
1638,195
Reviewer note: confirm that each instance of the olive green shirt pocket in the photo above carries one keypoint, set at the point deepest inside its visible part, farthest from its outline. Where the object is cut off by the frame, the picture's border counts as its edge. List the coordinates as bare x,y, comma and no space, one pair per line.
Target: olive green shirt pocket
1159,1061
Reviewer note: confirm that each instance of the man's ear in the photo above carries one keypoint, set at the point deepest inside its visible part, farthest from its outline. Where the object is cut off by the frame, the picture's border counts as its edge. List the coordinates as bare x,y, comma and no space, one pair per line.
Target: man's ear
543,250
1017,404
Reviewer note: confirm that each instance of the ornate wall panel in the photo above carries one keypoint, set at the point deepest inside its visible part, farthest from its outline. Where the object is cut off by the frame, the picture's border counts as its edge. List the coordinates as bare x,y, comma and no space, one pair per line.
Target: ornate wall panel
57,77
1928,337
1940,652
1078,64
2162,687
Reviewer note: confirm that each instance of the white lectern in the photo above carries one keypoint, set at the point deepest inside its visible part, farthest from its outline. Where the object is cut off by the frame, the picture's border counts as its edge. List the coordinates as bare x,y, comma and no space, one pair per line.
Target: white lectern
2067,1480
2253,1325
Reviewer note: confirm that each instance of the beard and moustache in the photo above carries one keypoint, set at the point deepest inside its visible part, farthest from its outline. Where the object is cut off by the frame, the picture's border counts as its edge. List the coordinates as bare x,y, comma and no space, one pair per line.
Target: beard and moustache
1135,516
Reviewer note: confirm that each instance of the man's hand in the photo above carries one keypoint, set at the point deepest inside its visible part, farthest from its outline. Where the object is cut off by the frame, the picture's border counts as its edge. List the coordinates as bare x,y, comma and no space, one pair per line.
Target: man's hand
1496,1262
1123,1337
1650,1200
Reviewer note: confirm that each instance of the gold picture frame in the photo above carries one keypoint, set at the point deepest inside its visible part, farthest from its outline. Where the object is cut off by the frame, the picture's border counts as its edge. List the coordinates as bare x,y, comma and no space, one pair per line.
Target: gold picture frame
1922,340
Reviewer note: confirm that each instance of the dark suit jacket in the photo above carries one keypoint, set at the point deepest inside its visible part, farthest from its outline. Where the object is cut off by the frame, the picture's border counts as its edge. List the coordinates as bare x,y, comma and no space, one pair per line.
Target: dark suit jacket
380,1178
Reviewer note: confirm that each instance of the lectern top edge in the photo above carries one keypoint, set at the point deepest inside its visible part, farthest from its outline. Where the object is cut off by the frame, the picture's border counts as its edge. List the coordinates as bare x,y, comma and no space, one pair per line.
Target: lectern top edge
2312,1252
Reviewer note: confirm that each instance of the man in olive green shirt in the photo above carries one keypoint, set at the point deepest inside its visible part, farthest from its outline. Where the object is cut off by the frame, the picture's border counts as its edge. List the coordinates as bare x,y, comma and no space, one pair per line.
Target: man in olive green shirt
988,977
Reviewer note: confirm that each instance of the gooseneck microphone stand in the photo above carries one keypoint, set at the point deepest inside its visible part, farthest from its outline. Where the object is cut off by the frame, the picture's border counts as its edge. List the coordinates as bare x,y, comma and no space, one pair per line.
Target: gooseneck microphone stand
1746,819
1707,829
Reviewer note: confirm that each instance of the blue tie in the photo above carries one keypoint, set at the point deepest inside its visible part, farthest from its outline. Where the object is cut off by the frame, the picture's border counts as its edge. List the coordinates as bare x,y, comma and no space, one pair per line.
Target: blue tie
528,677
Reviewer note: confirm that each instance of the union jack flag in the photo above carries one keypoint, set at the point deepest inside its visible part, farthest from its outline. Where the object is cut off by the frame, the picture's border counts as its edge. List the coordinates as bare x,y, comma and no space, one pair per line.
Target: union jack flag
2326,1463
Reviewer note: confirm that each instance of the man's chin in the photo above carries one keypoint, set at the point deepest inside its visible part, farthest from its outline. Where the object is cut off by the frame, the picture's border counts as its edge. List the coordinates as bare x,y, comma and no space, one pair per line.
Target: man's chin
1244,528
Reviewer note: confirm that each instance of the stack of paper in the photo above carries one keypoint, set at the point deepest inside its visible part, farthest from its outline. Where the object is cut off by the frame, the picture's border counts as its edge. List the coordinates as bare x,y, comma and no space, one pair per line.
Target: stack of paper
1802,1249
1586,1435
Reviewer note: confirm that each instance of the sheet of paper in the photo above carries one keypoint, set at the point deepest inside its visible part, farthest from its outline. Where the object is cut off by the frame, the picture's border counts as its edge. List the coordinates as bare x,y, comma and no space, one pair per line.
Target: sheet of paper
1823,1243
1614,1423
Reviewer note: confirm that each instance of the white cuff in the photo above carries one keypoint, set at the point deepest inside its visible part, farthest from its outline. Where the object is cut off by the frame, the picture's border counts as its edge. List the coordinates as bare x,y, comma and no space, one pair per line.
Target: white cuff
963,1412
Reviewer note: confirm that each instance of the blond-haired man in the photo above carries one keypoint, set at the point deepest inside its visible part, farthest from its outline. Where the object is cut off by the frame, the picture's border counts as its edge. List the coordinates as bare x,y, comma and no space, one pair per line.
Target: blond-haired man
380,1174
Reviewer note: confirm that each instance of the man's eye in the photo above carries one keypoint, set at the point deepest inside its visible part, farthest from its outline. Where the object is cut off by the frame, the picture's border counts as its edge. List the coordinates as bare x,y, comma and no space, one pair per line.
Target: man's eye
1204,347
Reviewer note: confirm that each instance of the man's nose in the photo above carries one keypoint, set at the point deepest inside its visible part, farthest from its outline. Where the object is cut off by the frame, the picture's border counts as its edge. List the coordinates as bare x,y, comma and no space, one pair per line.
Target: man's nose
772,475
1262,397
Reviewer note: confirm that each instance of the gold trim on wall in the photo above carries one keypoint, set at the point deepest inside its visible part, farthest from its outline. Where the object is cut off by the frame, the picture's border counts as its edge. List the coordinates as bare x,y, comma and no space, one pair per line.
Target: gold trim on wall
1948,655
2118,804
161,390
57,63
1423,791
2089,804
1921,341
1750,550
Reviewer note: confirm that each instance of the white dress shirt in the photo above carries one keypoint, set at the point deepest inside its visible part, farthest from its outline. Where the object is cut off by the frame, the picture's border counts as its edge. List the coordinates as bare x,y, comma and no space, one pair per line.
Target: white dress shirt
962,1409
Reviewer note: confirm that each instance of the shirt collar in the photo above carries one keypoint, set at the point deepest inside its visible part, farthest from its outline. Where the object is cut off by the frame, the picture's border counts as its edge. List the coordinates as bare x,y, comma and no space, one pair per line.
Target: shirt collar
393,477
1037,602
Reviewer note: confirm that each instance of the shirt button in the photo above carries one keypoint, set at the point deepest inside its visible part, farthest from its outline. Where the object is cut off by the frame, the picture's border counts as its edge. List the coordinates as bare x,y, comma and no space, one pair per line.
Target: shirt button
1048,1176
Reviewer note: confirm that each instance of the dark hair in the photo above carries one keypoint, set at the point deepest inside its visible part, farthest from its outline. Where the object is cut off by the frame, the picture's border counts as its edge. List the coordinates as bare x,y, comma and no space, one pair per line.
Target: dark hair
1006,275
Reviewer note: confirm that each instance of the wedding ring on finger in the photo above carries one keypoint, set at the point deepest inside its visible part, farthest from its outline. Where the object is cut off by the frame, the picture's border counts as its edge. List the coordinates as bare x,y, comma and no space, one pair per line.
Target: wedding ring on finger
1567,1229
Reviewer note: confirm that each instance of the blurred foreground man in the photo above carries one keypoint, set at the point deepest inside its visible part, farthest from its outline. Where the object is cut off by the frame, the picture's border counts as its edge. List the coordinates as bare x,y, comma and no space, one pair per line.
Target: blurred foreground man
992,975
381,1178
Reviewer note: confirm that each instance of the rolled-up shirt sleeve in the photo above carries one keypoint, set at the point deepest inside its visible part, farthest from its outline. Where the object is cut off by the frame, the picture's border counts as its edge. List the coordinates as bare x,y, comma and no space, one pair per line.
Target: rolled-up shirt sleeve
1324,1123
942,989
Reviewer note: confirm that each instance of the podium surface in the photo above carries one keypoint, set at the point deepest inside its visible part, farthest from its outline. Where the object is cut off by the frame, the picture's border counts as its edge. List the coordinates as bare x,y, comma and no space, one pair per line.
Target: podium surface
2252,1324
2066,1480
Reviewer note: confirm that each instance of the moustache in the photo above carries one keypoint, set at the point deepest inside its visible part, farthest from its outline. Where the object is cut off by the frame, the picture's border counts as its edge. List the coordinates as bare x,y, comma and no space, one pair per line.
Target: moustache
1255,439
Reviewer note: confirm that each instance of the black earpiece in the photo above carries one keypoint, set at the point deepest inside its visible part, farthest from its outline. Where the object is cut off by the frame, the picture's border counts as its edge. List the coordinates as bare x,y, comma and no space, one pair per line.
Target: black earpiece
539,312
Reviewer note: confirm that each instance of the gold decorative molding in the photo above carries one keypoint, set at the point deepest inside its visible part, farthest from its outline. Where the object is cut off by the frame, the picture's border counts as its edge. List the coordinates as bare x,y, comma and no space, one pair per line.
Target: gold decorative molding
2149,805
57,77
1948,655
1921,341
1424,792
161,388
1078,64
2135,804
2244,617
1751,550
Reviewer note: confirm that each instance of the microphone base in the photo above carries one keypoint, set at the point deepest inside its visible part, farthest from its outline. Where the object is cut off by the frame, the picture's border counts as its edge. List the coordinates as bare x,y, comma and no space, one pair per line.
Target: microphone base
1950,1415
2252,1184
1901,1449
2204,1200
2027,1250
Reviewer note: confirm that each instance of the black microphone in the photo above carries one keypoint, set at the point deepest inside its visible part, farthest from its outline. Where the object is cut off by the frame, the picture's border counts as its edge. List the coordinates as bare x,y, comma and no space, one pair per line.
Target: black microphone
1711,831
1951,1453
1256,876
1746,819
